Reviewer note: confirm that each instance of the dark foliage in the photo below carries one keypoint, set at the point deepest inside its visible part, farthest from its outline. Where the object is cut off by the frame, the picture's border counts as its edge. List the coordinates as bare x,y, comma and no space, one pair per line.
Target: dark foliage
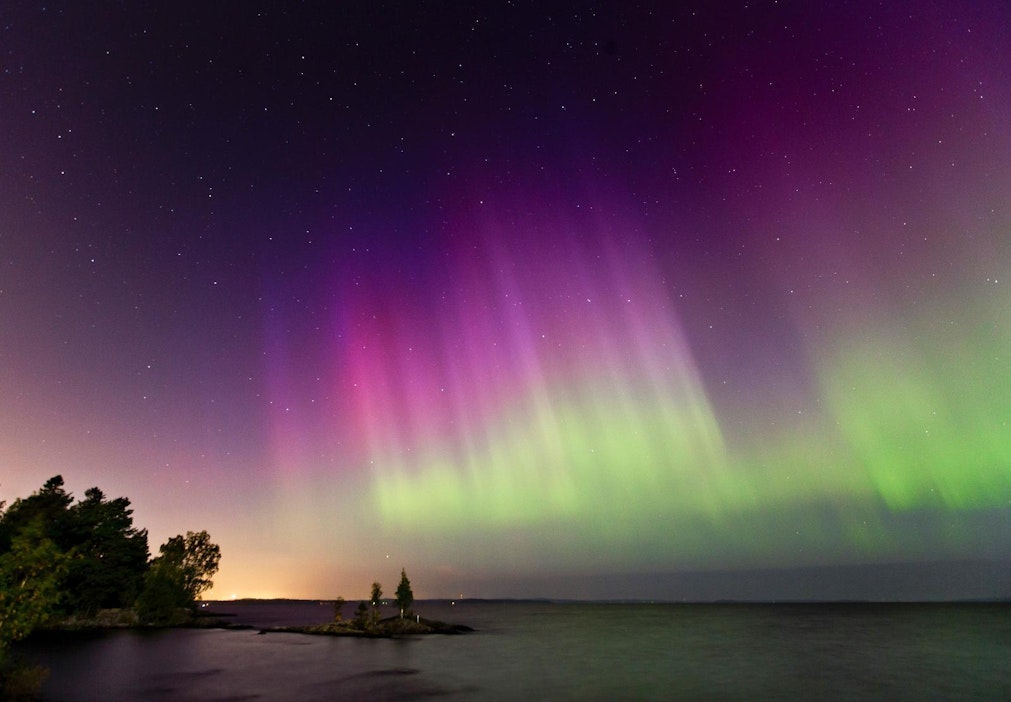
106,557
178,576
111,555
405,596
363,619
61,558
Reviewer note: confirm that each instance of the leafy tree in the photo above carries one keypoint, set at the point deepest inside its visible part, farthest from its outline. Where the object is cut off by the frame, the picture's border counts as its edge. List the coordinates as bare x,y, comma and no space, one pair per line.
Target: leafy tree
196,558
338,609
178,576
31,566
405,596
30,573
163,600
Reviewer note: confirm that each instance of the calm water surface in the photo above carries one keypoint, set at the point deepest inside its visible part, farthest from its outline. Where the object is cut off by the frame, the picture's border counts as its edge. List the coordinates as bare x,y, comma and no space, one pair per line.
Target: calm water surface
534,651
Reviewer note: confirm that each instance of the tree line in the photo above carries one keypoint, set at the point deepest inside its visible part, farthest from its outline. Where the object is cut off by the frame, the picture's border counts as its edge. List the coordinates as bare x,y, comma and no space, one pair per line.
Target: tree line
61,559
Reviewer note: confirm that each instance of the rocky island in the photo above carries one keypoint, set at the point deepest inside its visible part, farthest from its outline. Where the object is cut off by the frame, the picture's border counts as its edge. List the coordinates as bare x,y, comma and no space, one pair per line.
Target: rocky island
367,623
392,627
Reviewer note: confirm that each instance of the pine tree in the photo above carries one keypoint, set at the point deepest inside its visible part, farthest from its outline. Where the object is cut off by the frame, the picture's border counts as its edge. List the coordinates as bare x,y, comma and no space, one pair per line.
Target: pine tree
405,597
362,619
377,593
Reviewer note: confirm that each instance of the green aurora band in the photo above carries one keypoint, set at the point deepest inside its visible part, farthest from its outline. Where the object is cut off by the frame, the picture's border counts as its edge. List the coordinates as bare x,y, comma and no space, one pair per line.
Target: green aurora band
639,461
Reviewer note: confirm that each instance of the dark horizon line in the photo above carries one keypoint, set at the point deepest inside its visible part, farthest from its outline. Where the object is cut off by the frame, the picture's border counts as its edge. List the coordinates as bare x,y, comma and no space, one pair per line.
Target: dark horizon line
645,601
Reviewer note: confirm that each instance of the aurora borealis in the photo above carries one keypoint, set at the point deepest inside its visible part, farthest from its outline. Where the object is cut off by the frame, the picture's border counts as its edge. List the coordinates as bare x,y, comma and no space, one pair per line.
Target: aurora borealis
517,295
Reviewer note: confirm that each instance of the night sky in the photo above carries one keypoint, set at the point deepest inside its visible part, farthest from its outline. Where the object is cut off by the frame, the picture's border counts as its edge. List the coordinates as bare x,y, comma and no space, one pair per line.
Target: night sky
601,299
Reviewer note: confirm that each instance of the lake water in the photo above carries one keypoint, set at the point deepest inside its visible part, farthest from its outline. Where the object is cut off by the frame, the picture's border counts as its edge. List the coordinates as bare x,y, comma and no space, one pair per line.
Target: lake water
535,651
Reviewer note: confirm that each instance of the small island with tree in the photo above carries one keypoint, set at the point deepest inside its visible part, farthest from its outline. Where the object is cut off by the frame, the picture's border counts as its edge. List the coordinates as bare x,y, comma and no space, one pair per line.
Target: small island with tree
368,621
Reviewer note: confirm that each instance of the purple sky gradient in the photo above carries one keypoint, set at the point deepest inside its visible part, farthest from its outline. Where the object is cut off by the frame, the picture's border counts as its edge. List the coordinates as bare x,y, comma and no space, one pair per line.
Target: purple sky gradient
519,296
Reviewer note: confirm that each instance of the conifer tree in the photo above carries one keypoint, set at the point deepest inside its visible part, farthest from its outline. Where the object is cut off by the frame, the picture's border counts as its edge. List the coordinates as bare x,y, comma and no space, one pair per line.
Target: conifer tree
405,597
377,593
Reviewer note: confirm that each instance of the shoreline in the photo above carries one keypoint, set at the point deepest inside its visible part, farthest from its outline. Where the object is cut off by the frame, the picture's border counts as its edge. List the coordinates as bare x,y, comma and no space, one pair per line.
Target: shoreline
390,628
125,620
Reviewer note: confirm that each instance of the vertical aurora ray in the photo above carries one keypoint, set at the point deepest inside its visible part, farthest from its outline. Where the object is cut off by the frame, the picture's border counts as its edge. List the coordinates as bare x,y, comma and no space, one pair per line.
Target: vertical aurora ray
552,383
550,392
928,422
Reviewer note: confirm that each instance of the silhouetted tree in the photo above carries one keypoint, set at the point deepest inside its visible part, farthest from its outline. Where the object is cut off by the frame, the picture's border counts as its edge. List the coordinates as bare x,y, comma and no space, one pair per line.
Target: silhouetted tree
197,559
111,556
30,573
405,596
338,609
58,556
377,593
362,619
45,509
178,576
106,555
163,599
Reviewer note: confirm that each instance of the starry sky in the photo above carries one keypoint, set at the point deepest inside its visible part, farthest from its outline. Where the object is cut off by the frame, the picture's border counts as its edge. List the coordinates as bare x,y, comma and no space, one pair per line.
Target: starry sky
563,299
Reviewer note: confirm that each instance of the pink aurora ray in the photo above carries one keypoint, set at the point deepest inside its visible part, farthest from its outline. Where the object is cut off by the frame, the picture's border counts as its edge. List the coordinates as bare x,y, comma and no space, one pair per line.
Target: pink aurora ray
521,348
